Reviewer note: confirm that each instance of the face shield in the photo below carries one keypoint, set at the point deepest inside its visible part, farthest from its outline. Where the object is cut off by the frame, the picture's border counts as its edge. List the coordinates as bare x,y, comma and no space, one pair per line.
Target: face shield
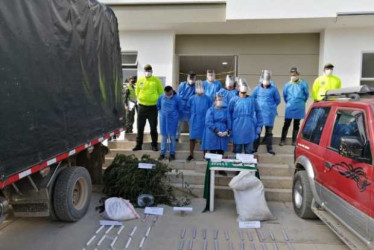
218,102
229,83
243,86
199,88
265,78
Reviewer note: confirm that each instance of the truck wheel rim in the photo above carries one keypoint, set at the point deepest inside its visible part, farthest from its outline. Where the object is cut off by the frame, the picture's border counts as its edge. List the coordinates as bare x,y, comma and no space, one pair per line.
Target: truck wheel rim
298,194
80,193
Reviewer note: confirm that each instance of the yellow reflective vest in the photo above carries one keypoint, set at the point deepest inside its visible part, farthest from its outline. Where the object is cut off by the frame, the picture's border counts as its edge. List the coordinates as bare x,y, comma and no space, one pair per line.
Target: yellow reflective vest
324,83
148,90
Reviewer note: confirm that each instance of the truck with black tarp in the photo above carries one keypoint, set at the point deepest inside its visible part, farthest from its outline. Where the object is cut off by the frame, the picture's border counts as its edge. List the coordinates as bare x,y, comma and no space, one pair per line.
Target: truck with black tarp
60,97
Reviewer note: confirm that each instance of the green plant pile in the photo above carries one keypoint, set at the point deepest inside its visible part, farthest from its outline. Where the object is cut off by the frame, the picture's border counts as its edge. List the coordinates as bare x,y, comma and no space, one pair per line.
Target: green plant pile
124,179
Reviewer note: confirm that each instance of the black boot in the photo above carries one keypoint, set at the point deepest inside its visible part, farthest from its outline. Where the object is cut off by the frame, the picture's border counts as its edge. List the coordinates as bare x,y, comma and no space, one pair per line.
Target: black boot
284,135
294,137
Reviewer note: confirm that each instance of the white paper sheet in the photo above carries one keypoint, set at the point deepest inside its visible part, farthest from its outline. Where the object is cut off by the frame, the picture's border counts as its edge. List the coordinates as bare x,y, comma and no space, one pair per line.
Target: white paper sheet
154,210
246,158
145,166
213,156
183,209
131,105
110,223
249,224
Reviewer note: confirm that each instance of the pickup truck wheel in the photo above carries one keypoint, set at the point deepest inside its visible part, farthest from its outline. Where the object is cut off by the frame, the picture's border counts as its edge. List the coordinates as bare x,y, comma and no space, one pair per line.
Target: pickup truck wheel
72,194
302,196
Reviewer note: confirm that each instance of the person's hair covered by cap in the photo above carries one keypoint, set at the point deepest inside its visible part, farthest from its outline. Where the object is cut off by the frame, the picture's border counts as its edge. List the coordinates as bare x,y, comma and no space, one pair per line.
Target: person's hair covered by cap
294,70
168,88
147,67
328,66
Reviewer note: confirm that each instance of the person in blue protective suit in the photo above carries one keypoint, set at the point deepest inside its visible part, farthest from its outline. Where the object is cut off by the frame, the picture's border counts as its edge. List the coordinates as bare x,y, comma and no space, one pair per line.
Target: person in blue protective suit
216,128
169,107
229,91
267,98
198,105
245,121
211,86
185,91
295,94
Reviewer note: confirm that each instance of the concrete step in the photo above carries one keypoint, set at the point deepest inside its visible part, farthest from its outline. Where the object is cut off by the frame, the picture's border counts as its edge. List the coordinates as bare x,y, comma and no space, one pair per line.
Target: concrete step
196,178
200,167
224,192
185,146
198,155
185,138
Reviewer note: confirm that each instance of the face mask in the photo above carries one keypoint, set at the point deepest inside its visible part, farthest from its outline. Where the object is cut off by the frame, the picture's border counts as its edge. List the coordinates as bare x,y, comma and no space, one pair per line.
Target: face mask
190,82
148,74
169,96
265,82
294,78
328,72
219,104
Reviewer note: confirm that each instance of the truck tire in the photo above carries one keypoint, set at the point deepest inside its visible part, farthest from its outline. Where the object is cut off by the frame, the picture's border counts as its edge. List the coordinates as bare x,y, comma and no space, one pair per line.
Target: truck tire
72,194
302,196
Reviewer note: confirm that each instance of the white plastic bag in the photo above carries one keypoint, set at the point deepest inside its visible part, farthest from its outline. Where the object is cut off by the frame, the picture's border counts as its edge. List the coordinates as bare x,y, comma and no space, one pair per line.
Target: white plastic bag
249,196
119,209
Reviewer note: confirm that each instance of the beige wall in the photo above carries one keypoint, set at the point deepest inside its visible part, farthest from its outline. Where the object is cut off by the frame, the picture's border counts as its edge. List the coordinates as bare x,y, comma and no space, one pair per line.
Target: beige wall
277,52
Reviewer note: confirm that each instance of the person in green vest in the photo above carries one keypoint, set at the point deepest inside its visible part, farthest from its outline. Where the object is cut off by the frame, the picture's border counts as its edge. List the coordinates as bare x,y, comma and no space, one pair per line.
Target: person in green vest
131,103
148,90
325,82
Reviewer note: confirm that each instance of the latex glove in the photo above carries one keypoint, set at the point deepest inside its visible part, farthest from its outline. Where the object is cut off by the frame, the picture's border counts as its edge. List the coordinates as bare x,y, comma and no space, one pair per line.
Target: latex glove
224,134
258,131
220,134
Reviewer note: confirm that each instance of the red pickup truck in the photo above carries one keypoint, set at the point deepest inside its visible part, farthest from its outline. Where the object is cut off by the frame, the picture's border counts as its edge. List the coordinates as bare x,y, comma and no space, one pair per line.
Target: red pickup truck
334,171
60,97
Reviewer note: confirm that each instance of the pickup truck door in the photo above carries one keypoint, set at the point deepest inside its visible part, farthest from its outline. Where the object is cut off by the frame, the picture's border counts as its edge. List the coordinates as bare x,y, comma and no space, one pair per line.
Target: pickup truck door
348,183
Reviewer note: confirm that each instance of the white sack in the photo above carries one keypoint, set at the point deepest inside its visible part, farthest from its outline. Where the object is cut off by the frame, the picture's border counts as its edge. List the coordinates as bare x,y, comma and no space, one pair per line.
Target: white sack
249,195
119,209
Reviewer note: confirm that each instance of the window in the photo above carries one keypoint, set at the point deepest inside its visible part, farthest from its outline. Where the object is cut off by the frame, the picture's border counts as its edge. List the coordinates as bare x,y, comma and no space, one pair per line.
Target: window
367,71
345,125
314,124
129,64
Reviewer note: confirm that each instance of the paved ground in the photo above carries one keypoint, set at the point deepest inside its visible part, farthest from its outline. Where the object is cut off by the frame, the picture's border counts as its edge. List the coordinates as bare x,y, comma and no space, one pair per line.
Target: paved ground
43,234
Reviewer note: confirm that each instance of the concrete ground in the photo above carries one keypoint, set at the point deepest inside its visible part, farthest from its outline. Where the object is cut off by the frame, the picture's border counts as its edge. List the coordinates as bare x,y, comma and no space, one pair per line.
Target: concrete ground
43,234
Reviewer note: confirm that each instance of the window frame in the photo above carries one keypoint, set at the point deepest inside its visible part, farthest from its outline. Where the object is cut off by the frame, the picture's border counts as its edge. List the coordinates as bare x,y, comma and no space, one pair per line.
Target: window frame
129,66
362,80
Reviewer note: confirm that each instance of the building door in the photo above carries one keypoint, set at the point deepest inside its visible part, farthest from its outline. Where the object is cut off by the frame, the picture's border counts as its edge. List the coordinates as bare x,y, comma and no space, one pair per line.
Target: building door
222,65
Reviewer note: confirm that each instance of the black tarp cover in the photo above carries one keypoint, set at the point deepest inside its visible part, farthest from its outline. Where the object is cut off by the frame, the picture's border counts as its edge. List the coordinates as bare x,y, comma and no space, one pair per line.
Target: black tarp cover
60,78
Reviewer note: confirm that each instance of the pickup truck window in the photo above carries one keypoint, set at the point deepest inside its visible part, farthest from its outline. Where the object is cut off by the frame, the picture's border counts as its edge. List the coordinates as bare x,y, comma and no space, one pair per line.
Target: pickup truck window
346,124
315,123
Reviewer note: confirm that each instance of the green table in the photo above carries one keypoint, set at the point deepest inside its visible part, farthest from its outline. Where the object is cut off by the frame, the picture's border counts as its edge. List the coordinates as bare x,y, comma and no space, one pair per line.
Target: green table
210,178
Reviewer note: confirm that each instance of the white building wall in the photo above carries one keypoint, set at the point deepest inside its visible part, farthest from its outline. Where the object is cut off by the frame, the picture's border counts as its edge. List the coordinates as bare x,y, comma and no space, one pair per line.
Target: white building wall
284,9
153,47
343,48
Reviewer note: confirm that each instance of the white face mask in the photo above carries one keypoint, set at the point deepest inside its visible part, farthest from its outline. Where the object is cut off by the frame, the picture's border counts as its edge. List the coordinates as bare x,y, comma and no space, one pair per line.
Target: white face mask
190,82
294,78
328,72
148,74
219,104
266,82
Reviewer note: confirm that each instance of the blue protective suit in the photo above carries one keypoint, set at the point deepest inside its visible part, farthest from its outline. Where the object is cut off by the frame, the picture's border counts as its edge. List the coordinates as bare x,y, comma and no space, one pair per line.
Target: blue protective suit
227,95
244,119
198,106
215,119
295,95
169,110
185,91
210,89
267,99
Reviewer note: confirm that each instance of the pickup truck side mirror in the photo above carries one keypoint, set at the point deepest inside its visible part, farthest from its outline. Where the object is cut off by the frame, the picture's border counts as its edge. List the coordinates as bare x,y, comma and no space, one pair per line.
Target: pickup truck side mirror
351,147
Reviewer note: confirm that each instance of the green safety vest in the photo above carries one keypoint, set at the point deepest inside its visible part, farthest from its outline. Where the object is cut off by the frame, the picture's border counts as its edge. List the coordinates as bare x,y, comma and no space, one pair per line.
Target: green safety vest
132,95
